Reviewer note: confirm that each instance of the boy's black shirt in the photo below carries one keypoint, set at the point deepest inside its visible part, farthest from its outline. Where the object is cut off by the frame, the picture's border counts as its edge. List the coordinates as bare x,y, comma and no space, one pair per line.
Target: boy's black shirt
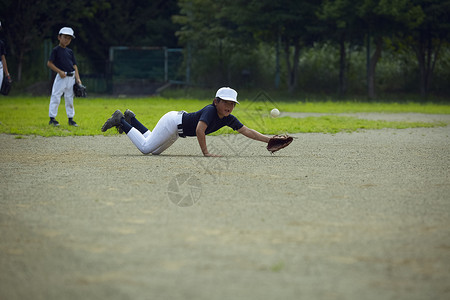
2,48
63,58
208,114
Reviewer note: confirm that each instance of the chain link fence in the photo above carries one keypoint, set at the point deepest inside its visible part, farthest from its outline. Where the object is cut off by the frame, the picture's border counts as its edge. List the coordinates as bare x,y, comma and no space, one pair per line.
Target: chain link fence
136,71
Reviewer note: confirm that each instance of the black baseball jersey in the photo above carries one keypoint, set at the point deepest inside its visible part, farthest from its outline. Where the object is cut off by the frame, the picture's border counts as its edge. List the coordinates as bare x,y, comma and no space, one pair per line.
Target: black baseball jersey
63,59
2,48
208,114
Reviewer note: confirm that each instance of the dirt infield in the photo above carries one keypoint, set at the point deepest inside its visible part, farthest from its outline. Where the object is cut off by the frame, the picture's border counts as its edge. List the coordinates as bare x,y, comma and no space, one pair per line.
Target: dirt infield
361,215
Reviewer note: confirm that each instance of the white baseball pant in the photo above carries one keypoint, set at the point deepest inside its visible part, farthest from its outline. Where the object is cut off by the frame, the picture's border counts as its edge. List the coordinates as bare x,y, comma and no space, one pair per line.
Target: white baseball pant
1,72
162,137
62,86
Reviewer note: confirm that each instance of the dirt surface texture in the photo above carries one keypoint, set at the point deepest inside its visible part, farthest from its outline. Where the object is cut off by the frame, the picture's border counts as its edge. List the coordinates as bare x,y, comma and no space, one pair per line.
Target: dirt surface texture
363,215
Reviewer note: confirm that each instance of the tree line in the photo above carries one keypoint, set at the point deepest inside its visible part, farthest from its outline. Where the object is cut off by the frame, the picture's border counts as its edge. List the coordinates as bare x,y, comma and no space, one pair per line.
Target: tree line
232,40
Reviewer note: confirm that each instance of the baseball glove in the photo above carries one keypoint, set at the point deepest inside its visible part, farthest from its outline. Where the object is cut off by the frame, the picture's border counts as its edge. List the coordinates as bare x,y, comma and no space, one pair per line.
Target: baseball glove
79,90
278,142
6,85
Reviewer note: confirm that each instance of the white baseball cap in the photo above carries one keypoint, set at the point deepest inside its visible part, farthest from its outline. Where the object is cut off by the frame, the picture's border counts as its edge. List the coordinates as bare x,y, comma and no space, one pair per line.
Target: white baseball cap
68,31
227,93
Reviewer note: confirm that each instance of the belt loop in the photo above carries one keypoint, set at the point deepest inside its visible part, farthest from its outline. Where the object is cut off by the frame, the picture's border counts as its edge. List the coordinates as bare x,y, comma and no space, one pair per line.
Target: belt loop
180,131
180,126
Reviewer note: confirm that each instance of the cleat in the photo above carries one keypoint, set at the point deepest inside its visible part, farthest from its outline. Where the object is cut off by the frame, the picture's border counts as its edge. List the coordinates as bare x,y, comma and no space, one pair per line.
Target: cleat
53,122
73,123
114,121
128,115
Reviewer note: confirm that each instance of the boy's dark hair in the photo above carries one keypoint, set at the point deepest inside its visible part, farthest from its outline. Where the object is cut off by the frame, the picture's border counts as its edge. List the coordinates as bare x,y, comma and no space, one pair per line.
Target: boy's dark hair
217,99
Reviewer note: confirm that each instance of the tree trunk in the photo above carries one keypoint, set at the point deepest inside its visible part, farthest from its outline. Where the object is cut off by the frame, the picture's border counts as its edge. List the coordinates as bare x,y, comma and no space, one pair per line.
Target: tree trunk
342,67
292,68
295,63
19,65
420,54
277,63
221,65
287,54
427,56
372,67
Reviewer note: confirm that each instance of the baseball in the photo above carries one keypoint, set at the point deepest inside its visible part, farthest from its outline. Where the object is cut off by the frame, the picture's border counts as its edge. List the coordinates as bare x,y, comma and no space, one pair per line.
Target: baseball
274,113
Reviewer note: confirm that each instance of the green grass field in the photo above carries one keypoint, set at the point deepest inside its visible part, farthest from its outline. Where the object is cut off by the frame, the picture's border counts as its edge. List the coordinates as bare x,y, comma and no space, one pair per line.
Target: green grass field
29,115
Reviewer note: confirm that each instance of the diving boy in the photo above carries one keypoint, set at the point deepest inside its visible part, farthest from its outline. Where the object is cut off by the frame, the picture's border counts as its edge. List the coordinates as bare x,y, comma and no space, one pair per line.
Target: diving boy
175,124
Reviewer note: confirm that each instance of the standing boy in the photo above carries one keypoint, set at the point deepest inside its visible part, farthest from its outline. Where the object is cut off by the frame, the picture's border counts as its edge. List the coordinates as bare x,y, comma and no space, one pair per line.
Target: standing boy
62,61
3,65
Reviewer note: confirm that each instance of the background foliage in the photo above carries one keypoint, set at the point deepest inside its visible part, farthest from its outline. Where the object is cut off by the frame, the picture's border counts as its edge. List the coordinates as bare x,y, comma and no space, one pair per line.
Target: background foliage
339,47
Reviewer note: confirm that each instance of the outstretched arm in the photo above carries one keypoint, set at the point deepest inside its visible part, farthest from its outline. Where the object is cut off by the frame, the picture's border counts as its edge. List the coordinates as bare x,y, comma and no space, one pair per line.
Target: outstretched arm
253,134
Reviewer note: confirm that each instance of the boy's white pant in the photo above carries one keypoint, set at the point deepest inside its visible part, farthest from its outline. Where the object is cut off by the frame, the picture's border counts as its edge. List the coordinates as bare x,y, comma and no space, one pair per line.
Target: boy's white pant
62,86
1,72
162,137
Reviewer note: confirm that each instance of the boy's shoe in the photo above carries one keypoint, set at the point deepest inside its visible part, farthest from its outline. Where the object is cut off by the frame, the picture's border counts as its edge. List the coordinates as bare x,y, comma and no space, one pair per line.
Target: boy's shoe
128,114
53,122
113,121
73,123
